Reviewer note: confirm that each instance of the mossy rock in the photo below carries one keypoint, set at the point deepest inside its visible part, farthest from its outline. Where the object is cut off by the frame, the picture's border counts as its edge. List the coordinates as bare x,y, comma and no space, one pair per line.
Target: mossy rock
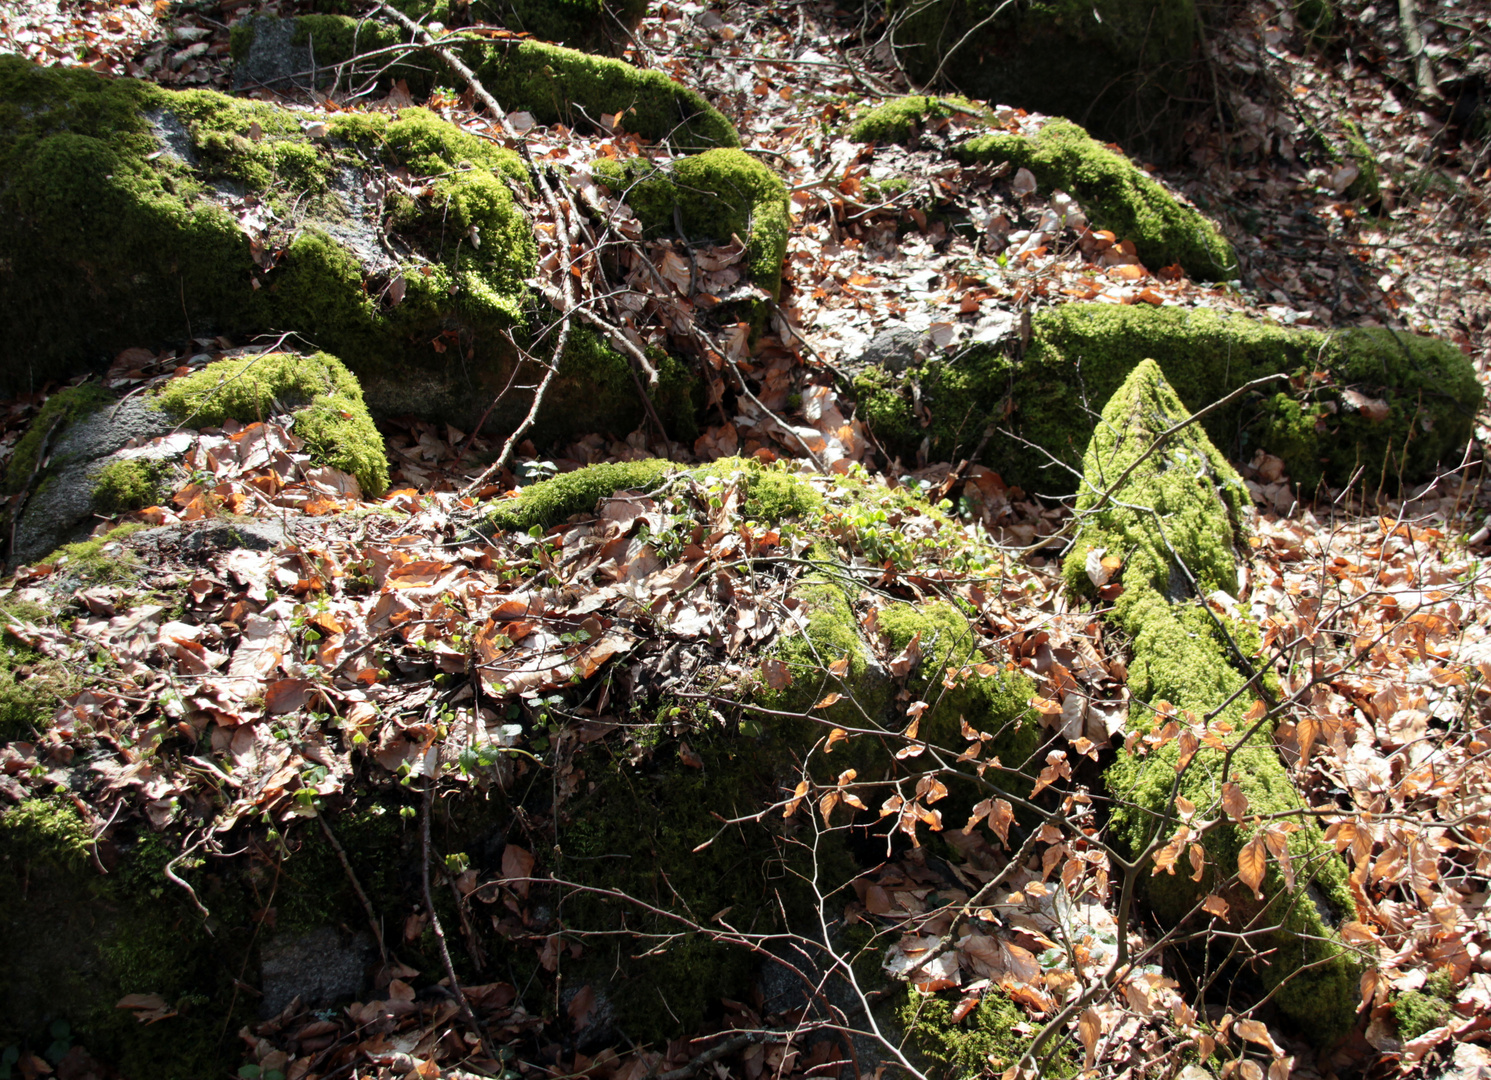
32,685
1081,353
554,84
1175,523
988,1042
590,25
115,198
318,392
893,121
714,195
772,494
1117,67
1115,194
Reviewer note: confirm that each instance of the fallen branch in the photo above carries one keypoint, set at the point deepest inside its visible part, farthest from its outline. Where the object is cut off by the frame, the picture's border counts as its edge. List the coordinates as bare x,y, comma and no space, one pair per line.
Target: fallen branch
367,905
450,970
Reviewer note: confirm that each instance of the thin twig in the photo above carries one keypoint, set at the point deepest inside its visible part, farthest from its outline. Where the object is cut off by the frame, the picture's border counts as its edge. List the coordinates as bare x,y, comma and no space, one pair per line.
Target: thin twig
367,905
450,970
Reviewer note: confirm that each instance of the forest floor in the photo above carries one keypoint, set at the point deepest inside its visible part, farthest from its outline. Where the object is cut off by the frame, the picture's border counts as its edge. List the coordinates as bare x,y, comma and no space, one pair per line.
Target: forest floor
1386,595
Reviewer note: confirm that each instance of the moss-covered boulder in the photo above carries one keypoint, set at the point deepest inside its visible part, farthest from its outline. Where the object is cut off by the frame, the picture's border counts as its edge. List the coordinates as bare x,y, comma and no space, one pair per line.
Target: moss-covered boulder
319,394
553,84
712,197
1395,403
1115,194
1115,66
1173,516
170,214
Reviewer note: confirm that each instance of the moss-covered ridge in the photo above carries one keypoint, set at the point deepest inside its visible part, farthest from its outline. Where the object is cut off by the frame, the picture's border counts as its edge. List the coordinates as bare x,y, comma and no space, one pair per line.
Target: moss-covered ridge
318,391
1174,523
1115,194
1081,353
714,195
1115,66
893,120
554,84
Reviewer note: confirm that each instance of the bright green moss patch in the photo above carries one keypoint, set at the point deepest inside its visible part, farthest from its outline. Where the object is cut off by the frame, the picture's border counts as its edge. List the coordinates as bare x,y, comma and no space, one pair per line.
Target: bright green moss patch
1175,523
1420,1011
318,391
991,1040
1115,194
1081,353
89,561
770,494
893,120
1115,66
715,195
122,486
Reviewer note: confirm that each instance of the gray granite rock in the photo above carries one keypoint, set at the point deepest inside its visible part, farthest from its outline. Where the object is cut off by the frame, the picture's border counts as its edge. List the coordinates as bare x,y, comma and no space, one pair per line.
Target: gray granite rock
322,967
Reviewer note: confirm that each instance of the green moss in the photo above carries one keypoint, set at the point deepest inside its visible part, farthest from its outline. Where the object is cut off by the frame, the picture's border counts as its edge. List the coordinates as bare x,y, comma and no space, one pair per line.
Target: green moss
90,562
1116,66
597,389
60,410
716,195
1417,1012
593,26
892,121
1367,187
771,494
990,1040
94,216
122,486
1175,524
639,820
553,84
318,390
1116,195
1081,353
108,936
32,685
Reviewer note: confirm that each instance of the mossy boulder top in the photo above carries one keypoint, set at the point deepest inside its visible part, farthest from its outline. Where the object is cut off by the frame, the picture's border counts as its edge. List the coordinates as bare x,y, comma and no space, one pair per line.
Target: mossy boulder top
1114,66
393,240
553,84
1396,403
603,26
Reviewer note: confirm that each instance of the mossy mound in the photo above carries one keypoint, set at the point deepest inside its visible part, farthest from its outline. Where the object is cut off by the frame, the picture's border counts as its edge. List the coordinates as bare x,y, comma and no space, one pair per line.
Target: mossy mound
1081,353
1175,522
124,486
892,121
554,84
32,685
715,195
591,25
1116,195
990,1041
317,391
167,214
771,494
1115,66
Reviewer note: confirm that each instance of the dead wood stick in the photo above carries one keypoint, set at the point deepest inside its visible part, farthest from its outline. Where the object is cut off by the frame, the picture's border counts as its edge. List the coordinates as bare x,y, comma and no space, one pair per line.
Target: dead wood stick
367,905
450,970
1413,38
